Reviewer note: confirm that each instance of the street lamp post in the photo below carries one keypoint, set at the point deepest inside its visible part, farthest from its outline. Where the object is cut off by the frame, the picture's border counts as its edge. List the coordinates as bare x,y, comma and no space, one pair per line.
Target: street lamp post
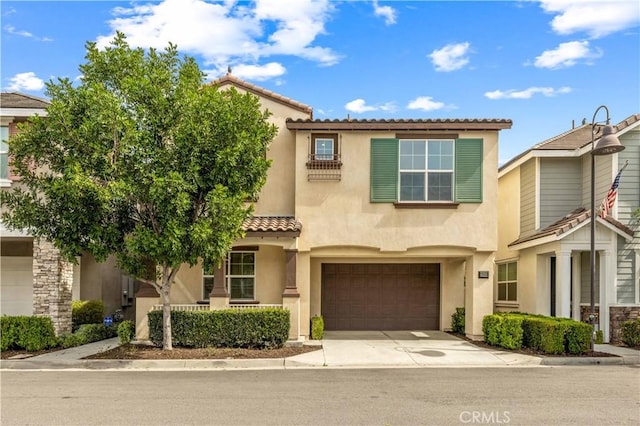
608,144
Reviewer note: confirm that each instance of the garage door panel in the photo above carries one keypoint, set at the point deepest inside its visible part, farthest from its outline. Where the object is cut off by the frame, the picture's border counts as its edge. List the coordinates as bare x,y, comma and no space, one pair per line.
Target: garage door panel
380,296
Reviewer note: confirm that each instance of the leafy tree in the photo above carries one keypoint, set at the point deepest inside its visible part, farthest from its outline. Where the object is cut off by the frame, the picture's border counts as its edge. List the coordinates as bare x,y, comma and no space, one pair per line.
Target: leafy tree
140,160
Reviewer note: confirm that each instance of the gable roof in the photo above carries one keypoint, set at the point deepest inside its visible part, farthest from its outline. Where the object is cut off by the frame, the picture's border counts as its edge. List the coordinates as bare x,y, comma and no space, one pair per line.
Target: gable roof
21,100
573,139
401,124
572,221
229,79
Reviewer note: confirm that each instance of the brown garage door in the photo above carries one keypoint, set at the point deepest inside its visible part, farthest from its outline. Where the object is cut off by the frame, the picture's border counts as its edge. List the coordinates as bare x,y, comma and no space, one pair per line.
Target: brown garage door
380,296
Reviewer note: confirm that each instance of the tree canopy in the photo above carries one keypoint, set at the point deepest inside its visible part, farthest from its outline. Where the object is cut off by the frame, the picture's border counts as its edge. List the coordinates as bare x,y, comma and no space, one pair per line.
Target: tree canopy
141,160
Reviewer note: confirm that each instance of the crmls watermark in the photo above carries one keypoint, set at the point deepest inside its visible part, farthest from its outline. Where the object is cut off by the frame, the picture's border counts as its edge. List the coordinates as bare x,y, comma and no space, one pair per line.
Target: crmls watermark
485,417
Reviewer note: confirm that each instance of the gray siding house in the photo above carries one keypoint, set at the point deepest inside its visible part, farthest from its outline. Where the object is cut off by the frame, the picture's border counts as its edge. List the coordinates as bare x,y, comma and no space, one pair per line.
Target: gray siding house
543,259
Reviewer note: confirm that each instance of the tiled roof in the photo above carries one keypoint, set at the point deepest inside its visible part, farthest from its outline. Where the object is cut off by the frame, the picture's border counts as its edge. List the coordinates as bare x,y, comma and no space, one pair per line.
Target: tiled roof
574,139
272,224
569,222
229,79
20,100
401,124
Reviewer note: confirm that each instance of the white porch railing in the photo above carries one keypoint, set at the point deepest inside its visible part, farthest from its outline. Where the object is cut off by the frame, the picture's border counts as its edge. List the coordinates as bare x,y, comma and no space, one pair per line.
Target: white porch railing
199,307
183,307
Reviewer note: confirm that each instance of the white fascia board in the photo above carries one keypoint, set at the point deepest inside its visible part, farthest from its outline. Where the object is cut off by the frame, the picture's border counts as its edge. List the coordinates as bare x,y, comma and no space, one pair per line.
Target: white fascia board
538,153
23,112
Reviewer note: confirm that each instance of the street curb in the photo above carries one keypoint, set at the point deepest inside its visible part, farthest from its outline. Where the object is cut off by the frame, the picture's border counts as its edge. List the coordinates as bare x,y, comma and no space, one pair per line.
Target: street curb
121,364
614,360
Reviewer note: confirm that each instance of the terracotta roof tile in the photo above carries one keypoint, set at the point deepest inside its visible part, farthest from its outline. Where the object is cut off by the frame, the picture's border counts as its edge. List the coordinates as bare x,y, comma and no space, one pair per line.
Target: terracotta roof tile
401,124
272,224
569,222
229,79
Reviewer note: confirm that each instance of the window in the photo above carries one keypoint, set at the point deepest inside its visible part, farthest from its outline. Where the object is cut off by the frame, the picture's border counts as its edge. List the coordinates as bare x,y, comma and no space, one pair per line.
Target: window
324,147
438,171
4,153
508,282
207,279
426,170
241,275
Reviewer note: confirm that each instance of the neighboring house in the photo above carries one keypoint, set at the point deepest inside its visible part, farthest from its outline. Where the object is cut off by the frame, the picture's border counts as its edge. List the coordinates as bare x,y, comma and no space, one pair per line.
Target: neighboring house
373,224
34,280
543,259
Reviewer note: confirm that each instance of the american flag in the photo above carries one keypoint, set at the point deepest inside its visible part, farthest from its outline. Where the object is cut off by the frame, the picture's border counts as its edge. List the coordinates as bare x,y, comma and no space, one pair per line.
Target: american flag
610,199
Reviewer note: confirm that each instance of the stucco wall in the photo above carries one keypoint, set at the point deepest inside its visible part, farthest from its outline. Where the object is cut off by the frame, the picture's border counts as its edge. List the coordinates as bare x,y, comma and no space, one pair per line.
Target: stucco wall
340,213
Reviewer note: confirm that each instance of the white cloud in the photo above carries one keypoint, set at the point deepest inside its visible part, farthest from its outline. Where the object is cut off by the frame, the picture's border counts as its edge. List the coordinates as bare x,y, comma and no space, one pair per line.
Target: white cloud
451,57
594,17
259,72
359,106
228,33
386,12
425,103
527,93
22,33
566,55
25,81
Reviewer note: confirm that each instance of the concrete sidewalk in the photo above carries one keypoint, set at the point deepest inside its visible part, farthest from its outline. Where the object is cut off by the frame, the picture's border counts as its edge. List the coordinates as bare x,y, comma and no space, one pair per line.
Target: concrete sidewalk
365,349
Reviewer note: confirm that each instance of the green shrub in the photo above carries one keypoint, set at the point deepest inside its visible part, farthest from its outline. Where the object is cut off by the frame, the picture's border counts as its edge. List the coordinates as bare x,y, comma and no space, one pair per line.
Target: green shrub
96,332
27,332
126,331
510,335
457,321
599,337
491,329
71,340
317,327
631,333
545,334
578,337
234,328
86,312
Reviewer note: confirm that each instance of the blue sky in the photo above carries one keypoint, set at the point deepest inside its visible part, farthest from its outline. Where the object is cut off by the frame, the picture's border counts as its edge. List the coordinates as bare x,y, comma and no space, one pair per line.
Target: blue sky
541,64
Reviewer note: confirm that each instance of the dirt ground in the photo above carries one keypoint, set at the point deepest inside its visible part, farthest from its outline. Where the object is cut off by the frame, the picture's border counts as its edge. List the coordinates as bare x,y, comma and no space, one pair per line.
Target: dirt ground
130,351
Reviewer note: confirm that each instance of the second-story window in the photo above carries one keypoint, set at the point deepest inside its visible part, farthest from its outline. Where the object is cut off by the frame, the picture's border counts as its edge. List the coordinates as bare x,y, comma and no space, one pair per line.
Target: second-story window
426,170
324,157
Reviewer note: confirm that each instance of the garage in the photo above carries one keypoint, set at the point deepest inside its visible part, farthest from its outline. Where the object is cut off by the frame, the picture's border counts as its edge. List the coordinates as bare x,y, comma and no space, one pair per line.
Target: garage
363,296
16,285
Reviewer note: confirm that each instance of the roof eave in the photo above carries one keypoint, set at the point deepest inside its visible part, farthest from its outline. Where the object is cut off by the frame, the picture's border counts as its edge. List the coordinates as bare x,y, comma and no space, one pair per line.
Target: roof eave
398,125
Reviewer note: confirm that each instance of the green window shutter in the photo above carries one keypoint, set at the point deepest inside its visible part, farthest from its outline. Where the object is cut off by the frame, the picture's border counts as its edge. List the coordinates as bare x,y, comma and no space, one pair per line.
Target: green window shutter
384,170
469,156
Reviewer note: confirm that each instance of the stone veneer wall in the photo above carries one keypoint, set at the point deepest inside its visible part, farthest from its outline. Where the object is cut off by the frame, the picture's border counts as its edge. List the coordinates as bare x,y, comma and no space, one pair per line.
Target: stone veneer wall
618,315
52,282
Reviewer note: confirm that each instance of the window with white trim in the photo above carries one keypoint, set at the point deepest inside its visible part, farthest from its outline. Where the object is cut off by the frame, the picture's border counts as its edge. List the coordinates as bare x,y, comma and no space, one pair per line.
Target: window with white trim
426,170
4,153
508,282
241,275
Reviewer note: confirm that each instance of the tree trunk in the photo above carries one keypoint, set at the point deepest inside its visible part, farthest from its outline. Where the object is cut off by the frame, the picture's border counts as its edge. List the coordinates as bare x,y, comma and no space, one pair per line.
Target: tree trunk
167,343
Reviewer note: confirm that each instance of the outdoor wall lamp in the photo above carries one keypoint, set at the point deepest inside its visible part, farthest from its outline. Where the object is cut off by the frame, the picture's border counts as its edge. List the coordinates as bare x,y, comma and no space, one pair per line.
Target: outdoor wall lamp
608,144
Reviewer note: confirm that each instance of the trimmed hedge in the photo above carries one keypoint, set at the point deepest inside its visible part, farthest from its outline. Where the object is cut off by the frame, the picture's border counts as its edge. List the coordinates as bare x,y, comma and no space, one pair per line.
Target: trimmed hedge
126,331
27,332
317,327
231,328
631,333
87,333
87,312
545,334
457,321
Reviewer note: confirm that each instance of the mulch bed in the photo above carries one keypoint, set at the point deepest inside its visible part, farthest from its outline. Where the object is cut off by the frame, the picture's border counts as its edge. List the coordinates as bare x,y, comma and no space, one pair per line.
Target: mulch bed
131,351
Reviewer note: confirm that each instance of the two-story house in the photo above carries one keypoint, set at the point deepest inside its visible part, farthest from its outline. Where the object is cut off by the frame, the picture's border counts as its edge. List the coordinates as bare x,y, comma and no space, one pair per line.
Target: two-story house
373,224
543,258
34,279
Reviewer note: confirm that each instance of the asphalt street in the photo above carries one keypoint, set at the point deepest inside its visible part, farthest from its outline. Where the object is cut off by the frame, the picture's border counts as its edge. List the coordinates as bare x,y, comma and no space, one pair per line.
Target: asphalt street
567,395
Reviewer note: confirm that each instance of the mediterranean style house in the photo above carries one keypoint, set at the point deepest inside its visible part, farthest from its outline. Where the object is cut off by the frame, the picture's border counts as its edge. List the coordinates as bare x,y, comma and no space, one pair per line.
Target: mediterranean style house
543,257
34,279
373,224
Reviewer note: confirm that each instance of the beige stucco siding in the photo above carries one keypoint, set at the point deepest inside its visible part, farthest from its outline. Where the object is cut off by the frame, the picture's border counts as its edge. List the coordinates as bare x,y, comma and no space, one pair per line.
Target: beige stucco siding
508,213
340,213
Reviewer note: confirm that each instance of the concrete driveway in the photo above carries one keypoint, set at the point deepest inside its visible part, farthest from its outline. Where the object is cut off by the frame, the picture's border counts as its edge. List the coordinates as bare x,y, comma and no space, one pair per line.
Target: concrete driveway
403,348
